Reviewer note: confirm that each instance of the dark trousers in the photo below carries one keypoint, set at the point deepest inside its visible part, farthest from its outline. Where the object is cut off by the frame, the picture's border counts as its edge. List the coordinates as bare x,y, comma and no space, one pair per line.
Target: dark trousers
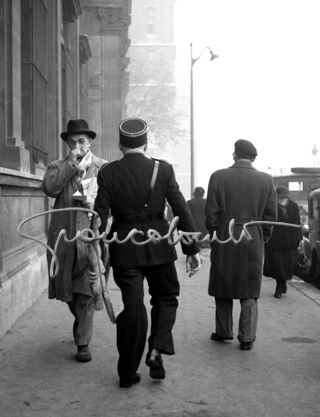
82,308
132,322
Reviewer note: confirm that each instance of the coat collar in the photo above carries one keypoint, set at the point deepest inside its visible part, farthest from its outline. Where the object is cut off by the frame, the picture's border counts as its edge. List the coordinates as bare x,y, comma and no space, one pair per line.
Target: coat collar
242,164
97,161
135,155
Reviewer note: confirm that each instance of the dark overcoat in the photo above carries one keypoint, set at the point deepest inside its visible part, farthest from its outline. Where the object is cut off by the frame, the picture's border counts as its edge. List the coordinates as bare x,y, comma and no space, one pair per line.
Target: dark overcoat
123,189
284,237
59,182
245,194
197,207
281,251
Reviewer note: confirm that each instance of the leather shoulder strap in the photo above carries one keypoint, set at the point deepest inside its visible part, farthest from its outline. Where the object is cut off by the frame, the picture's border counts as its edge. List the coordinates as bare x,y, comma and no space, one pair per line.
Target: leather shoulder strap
153,180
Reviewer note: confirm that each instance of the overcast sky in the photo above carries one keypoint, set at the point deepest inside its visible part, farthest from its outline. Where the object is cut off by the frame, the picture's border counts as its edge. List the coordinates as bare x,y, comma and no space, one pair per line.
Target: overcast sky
265,85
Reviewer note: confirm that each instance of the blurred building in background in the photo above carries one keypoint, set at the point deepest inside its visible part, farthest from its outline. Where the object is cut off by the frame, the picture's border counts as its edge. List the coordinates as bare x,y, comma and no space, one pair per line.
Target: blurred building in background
153,94
61,60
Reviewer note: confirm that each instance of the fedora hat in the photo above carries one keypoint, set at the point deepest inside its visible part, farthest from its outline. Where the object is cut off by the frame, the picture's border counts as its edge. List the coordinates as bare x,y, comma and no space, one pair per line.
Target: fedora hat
77,126
283,192
133,132
199,191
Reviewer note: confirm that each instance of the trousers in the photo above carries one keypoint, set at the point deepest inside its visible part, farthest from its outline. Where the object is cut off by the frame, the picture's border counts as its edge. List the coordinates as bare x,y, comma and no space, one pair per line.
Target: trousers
248,319
132,322
82,308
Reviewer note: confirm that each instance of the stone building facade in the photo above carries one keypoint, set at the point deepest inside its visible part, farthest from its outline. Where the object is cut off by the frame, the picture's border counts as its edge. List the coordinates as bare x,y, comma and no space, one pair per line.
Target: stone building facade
61,60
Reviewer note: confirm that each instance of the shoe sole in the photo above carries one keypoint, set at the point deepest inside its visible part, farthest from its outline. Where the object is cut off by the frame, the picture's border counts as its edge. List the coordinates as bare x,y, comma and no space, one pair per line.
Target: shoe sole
128,384
246,347
220,339
157,371
86,359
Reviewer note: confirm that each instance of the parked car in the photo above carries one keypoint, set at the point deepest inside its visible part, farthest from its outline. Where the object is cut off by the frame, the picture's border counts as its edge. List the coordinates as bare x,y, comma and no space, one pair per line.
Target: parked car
310,245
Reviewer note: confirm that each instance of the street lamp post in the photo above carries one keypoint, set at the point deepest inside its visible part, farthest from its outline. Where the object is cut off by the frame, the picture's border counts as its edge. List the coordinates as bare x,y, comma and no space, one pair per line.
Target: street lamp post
193,61
314,153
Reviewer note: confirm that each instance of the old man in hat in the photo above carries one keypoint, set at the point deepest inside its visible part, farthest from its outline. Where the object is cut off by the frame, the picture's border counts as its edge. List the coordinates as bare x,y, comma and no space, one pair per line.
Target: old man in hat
243,194
64,178
135,190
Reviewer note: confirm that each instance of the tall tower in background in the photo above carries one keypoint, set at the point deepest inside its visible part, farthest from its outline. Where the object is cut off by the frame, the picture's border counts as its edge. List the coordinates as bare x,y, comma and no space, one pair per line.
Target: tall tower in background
152,91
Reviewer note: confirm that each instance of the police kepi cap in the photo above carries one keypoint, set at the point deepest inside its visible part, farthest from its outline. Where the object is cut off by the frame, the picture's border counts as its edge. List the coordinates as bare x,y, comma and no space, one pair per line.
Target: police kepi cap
77,126
245,149
133,133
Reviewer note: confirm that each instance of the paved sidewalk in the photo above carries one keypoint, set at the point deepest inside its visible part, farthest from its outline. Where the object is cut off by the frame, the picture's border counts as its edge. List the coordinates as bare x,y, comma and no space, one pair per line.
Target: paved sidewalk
279,377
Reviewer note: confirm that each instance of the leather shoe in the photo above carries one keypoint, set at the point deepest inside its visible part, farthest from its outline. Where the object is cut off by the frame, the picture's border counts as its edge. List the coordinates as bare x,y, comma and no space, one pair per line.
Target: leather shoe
83,354
218,338
246,345
155,363
284,288
278,294
127,383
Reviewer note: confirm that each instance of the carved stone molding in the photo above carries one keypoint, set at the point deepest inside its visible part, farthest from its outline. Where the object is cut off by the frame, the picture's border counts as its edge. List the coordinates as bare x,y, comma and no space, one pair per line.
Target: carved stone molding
113,17
96,80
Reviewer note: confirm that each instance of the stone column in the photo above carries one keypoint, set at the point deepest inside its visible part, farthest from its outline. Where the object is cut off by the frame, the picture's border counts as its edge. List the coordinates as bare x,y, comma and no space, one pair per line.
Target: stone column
107,30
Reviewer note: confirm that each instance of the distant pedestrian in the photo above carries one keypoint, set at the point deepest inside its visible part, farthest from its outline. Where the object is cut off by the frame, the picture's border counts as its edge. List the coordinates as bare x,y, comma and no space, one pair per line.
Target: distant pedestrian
244,194
135,190
62,179
197,207
281,251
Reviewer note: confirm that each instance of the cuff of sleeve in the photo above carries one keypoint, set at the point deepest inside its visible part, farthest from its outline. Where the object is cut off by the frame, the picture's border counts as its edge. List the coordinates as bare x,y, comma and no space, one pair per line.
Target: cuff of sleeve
71,165
190,250
68,170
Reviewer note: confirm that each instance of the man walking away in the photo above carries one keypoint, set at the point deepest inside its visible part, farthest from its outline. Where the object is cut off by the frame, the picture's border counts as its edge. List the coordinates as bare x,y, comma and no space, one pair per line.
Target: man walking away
135,190
244,194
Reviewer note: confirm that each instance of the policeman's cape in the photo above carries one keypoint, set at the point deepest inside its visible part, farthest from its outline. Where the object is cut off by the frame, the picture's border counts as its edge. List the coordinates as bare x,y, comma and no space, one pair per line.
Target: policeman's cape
102,270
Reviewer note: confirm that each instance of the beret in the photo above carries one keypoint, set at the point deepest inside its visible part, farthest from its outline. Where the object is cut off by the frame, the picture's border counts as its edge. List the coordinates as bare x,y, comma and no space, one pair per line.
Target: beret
245,149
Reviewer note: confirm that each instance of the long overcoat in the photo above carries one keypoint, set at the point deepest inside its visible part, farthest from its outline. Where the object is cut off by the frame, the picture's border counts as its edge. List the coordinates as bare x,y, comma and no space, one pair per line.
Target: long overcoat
197,206
281,251
244,194
284,237
60,182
